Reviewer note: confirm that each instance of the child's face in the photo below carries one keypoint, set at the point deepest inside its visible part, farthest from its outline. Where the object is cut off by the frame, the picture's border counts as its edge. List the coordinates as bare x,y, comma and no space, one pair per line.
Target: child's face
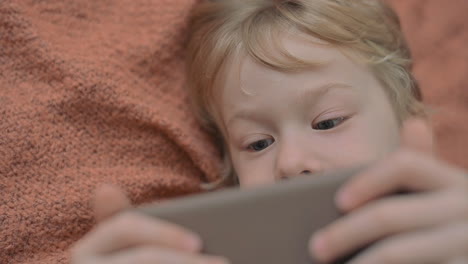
278,125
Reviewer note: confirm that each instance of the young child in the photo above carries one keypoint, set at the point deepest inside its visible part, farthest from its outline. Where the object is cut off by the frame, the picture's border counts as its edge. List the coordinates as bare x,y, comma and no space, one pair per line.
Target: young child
297,87
302,87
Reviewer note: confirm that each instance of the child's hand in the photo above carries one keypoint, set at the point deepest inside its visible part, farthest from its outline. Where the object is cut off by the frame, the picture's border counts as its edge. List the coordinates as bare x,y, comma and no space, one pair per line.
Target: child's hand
132,238
428,226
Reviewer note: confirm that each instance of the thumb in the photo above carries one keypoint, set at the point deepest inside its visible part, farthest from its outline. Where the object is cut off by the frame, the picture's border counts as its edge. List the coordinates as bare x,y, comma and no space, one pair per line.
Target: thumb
109,200
416,134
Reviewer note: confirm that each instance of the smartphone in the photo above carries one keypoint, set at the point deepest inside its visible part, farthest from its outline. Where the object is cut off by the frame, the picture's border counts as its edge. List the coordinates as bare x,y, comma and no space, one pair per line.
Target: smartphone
264,225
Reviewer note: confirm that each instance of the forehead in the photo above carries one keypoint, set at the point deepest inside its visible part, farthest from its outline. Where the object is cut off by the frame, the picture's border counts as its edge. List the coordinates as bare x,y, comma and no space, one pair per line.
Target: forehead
244,76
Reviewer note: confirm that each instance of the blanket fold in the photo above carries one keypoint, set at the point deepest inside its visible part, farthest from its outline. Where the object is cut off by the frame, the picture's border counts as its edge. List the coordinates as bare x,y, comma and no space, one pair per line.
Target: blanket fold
91,92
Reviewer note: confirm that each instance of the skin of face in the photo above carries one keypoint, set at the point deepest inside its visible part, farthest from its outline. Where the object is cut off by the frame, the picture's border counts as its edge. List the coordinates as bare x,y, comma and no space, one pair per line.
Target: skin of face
278,125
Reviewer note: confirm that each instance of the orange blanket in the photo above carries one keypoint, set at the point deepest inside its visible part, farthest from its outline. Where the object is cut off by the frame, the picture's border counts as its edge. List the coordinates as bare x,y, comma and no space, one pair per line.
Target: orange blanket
437,32
91,92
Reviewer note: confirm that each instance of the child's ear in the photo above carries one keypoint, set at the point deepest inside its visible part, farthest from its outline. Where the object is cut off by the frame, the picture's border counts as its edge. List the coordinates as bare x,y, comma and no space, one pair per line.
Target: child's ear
417,134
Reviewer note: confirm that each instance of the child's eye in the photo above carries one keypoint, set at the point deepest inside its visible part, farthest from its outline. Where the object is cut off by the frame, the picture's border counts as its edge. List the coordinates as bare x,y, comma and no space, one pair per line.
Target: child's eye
328,124
261,144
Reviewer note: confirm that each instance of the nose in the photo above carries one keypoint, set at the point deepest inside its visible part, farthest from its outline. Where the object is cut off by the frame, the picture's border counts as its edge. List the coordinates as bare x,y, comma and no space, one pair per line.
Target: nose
294,160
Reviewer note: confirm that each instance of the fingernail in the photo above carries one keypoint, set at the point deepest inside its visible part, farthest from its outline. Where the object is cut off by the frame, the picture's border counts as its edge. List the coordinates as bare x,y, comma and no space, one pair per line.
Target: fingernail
318,247
193,243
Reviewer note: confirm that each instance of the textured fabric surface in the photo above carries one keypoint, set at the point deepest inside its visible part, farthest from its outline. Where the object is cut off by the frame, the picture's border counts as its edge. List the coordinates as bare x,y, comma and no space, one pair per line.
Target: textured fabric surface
437,32
91,92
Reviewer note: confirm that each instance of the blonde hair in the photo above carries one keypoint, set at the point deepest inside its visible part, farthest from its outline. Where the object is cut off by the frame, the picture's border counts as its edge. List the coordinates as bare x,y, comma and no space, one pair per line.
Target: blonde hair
367,30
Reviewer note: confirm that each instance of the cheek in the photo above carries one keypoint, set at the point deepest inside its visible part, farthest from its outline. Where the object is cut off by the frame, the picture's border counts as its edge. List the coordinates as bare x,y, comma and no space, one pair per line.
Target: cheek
254,171
364,144
356,150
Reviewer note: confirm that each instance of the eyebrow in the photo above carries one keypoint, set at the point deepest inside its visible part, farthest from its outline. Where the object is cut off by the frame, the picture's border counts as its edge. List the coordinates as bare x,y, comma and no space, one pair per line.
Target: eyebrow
312,96
304,98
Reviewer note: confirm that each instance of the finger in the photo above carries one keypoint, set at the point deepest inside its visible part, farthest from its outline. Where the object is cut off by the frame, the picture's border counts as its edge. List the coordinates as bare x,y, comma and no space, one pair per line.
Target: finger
436,246
379,219
131,229
151,255
416,134
108,201
404,170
